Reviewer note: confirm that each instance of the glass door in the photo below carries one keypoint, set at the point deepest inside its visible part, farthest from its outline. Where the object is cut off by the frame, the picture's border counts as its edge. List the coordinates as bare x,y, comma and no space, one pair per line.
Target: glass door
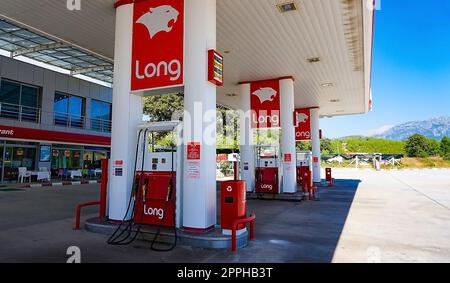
8,171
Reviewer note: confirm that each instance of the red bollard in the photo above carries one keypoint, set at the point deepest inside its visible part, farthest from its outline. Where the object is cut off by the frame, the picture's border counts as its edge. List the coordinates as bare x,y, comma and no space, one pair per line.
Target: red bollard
245,221
329,177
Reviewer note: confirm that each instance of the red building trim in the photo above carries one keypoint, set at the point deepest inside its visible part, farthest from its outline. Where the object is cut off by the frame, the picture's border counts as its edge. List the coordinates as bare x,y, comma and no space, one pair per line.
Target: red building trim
52,136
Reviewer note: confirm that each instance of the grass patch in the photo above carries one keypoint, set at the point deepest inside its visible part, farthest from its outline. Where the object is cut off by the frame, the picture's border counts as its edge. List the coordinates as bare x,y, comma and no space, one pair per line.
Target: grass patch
429,162
406,163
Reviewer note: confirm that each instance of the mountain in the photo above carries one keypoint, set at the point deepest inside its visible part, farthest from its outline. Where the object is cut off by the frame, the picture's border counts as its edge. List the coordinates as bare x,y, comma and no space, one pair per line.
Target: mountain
435,128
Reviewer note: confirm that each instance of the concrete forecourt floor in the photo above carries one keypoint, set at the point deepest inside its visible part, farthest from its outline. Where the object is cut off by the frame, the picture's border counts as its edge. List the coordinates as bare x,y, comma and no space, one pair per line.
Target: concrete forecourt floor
369,216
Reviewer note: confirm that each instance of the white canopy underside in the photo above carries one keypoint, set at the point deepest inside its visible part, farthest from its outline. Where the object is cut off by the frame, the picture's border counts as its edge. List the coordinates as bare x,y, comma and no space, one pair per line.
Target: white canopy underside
257,41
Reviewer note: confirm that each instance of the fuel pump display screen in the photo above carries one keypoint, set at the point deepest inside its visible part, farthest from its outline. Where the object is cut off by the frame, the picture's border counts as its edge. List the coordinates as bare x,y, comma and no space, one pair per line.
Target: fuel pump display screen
229,200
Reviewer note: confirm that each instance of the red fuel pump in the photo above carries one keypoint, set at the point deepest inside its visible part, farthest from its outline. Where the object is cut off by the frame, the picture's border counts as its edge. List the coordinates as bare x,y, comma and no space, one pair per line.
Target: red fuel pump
154,199
308,186
158,195
268,170
304,164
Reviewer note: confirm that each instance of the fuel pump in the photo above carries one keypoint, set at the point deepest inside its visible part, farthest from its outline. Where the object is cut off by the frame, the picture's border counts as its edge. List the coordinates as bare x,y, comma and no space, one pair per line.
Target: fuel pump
268,170
156,198
304,165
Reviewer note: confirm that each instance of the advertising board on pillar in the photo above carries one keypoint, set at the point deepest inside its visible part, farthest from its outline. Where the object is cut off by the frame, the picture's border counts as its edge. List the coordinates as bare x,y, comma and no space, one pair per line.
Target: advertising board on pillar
302,119
158,45
265,104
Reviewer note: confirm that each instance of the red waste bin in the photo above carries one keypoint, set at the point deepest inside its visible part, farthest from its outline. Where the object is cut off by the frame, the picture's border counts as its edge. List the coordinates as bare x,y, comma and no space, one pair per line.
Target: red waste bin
233,203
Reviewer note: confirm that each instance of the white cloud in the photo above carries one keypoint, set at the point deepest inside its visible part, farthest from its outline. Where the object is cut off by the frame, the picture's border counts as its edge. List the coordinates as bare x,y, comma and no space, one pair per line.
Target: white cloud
379,131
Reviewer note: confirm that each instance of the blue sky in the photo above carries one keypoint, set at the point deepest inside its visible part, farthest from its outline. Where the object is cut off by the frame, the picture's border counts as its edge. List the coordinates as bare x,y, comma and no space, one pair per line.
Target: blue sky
411,68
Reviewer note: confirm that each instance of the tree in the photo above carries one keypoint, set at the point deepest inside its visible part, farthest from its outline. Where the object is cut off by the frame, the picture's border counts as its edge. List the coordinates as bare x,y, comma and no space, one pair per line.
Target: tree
304,145
445,148
434,147
162,108
417,146
326,146
227,128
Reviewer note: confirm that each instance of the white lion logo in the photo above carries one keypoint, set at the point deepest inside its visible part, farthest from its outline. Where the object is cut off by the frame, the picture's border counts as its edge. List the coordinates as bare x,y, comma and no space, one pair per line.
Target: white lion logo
265,94
301,118
158,19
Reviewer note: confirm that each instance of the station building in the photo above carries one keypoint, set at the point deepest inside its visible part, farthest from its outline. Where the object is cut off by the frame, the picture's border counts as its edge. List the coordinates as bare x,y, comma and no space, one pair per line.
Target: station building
48,120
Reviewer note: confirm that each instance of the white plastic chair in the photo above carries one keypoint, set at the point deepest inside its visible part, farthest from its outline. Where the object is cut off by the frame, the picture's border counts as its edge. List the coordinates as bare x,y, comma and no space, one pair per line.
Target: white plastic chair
24,173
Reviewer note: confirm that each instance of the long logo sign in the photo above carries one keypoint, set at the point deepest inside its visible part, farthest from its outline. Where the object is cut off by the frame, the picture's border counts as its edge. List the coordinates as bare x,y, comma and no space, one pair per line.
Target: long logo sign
302,121
265,104
158,45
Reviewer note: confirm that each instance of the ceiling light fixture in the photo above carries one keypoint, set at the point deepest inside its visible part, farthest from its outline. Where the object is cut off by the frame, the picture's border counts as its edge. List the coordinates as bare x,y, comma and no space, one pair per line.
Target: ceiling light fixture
327,85
314,60
287,7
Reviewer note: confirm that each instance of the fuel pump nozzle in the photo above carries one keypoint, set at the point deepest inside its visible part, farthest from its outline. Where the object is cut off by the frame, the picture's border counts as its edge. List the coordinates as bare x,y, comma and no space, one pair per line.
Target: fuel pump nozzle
170,190
144,191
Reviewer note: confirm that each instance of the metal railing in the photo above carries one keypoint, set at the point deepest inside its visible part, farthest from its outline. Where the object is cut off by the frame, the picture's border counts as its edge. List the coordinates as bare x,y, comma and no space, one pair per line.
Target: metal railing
34,115
100,125
68,120
20,113
81,122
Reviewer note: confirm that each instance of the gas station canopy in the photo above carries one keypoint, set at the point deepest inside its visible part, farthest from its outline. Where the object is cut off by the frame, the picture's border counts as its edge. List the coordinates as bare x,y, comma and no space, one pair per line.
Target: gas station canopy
325,45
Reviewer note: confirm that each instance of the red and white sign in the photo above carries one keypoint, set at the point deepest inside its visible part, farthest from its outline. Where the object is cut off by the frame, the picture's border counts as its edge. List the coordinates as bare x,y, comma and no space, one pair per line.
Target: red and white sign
287,157
302,121
158,45
222,158
193,151
265,104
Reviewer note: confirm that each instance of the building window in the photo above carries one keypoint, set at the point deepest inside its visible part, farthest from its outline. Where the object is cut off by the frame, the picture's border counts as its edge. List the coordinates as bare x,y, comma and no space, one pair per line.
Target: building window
19,101
69,110
101,116
93,159
67,158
